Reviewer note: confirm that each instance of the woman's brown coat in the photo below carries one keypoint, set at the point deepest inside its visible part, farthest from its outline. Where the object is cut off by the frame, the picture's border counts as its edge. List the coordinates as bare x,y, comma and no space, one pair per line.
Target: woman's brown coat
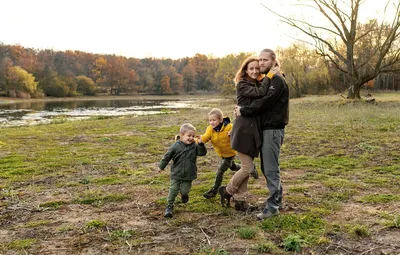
246,133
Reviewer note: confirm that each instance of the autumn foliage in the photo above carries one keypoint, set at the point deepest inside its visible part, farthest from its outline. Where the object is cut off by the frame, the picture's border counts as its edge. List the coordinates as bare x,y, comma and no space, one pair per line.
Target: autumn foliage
26,72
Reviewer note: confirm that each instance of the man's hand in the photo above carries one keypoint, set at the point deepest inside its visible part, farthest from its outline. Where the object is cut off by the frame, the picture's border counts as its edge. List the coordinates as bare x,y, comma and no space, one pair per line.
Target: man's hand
237,111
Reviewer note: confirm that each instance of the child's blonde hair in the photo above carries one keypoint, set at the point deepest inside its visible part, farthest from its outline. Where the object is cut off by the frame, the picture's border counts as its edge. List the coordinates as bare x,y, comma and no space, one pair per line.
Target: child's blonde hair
186,127
217,112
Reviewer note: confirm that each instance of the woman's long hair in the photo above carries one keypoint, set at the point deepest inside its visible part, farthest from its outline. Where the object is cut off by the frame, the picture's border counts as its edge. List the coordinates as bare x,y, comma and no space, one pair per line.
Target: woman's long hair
241,73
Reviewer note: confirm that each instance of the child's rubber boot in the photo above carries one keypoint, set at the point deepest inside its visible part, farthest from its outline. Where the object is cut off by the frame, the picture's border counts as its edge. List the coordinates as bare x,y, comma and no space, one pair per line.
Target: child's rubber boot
185,198
254,173
169,211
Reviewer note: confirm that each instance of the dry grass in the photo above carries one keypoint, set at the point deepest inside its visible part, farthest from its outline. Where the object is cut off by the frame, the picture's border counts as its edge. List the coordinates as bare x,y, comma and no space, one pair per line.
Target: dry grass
89,187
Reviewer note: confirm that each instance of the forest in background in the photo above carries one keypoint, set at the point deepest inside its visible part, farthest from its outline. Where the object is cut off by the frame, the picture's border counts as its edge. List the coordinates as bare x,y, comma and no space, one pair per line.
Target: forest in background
34,73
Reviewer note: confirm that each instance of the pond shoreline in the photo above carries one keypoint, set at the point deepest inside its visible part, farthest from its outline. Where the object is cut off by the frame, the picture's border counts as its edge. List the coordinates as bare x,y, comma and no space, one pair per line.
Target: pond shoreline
12,100
22,112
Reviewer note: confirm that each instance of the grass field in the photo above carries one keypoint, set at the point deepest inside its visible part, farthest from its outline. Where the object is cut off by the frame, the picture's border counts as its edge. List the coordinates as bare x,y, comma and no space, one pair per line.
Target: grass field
91,187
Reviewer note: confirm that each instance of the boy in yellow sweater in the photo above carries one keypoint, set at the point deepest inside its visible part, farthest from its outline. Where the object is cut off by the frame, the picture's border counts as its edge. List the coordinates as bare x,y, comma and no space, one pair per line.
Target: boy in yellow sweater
218,133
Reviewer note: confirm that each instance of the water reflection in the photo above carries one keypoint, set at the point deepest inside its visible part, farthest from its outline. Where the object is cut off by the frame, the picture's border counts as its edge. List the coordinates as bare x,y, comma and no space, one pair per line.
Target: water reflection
50,106
40,112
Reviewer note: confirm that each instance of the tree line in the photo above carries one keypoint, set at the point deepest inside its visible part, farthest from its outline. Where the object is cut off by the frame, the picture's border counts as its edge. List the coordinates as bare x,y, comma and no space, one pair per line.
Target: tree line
27,72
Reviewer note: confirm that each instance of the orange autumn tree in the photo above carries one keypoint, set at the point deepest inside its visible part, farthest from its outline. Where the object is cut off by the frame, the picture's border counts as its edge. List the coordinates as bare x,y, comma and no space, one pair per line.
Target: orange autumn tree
165,85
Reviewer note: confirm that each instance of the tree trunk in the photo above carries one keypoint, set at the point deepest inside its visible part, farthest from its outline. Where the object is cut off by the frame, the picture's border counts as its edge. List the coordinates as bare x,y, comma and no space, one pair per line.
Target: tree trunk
354,91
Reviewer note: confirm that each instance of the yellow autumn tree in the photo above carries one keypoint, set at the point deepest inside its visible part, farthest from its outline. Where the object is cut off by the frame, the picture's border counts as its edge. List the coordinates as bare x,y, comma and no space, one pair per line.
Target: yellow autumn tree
20,83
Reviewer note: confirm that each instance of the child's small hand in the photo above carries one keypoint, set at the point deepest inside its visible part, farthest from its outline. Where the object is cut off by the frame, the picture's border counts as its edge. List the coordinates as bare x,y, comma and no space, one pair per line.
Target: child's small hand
157,168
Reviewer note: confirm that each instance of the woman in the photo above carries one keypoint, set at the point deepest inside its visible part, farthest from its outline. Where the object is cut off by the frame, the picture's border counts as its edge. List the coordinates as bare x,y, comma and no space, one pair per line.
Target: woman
245,134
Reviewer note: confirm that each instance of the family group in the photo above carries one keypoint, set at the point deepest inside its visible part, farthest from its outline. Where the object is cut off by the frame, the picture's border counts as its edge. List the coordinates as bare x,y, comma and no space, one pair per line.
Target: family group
261,114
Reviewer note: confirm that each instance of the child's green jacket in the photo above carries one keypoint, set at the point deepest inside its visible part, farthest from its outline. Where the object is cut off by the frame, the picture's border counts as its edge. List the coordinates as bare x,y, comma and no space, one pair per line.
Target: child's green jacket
184,160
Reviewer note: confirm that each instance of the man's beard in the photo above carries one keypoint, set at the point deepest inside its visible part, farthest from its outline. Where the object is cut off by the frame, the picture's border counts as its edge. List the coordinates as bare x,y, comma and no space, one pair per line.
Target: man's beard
264,70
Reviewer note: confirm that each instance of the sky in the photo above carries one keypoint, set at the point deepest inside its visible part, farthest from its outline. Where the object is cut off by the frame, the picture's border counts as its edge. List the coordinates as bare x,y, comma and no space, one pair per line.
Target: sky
151,28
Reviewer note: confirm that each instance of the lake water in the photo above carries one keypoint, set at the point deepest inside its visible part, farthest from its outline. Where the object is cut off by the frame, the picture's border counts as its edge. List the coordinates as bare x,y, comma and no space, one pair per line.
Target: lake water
42,112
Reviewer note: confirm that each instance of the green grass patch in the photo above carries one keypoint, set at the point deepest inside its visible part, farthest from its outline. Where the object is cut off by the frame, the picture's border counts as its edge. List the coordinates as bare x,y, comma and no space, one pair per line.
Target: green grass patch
159,179
359,231
207,250
298,189
377,181
396,222
393,169
338,184
21,244
367,147
380,198
265,247
246,232
53,204
96,199
33,224
319,212
308,226
122,234
323,162
298,199
293,222
109,180
93,224
293,243
340,196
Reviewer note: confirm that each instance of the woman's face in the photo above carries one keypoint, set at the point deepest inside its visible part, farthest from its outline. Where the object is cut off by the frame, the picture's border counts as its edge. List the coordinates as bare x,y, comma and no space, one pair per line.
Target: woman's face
253,70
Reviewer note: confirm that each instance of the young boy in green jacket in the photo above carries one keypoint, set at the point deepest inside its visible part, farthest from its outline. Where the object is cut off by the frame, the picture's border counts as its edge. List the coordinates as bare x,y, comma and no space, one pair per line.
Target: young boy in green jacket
184,154
218,132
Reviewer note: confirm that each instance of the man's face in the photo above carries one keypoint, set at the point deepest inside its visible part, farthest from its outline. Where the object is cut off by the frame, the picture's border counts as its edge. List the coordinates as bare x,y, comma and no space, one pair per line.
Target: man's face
265,61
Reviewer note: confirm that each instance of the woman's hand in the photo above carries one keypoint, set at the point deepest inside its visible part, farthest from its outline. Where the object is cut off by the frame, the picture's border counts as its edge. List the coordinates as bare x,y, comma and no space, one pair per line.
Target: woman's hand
275,69
237,111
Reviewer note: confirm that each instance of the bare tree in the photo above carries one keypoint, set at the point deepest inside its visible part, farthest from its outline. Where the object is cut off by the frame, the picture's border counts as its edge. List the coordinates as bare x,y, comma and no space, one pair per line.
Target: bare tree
360,51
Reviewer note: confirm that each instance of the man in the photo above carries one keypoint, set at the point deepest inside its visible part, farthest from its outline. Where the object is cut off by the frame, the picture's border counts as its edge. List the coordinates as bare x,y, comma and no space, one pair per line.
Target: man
273,109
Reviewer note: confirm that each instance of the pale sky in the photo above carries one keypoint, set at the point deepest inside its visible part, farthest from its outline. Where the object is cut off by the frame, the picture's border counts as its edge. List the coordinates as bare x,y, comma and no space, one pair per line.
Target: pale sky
149,28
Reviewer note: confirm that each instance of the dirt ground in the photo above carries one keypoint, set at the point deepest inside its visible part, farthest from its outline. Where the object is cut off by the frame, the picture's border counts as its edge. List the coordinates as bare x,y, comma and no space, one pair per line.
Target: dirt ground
63,231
